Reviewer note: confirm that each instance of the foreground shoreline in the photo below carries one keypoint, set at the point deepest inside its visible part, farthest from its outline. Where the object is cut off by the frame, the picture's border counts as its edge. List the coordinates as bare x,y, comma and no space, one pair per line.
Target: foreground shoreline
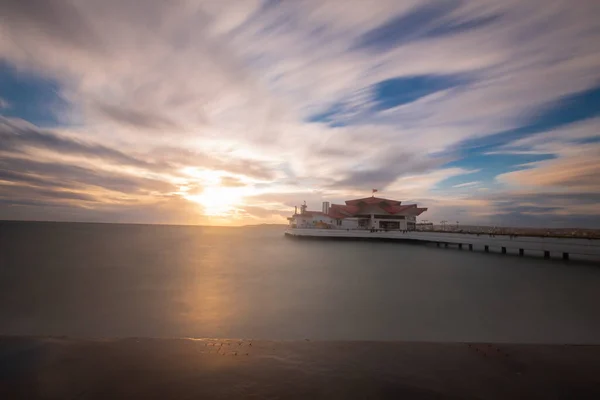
47,367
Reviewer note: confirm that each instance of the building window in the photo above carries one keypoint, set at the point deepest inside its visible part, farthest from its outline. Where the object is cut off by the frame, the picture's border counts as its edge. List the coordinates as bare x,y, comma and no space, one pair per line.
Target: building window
390,216
389,225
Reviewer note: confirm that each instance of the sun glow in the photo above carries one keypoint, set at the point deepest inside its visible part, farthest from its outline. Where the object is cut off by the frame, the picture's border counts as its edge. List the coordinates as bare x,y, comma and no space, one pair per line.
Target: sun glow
222,194
219,201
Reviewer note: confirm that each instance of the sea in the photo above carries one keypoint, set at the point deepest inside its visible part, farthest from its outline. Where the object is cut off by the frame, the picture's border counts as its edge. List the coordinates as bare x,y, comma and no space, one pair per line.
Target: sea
91,280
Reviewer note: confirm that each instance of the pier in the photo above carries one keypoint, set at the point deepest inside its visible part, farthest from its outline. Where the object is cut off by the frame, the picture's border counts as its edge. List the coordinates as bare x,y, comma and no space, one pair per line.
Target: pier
548,247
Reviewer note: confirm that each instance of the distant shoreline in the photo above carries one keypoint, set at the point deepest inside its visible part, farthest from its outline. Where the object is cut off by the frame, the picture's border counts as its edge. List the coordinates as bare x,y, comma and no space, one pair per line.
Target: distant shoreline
585,233
12,221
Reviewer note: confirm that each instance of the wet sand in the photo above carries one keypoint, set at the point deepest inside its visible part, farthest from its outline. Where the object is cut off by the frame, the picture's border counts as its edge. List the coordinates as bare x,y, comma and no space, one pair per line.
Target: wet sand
60,368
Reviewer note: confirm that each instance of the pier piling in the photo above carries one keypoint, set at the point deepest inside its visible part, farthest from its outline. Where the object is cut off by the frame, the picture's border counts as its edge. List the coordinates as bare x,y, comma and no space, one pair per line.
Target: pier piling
546,254
446,245
460,246
565,256
487,249
471,247
504,250
521,252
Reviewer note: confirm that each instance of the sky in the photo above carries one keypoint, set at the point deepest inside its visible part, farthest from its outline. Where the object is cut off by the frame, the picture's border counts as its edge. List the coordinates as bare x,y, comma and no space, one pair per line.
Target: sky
233,112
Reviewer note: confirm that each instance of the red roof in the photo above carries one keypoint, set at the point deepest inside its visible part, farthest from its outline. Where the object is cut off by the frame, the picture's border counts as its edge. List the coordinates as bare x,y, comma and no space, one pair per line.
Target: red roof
336,214
345,209
397,209
421,210
372,200
352,207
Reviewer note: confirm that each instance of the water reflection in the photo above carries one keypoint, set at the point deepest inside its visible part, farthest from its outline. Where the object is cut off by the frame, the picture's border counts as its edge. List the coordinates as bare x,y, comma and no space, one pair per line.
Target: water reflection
118,280
207,297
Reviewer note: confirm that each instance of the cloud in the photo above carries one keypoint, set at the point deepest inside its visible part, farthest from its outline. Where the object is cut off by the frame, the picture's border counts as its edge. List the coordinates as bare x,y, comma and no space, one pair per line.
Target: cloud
467,184
545,208
565,135
17,135
168,210
302,98
135,118
429,20
575,170
57,19
54,174
386,168
21,194
230,181
258,169
261,213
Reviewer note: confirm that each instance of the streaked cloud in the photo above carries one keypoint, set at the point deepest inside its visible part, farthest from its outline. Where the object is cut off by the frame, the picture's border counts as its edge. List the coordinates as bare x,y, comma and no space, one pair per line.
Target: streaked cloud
467,184
576,169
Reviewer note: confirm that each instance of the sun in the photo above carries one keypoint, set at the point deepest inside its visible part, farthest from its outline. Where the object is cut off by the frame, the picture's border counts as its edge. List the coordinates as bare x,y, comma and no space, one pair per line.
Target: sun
222,194
219,201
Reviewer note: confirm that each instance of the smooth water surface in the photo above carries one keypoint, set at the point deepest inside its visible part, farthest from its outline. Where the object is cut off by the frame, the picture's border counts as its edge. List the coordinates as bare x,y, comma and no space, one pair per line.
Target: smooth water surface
98,280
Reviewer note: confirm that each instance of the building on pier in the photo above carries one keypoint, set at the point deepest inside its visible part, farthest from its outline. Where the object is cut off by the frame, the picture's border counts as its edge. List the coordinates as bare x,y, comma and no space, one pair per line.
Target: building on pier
366,213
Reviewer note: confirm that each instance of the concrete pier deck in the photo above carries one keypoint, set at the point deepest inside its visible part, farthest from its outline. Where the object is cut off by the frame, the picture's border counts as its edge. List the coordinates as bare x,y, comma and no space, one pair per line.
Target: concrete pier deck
54,368
548,247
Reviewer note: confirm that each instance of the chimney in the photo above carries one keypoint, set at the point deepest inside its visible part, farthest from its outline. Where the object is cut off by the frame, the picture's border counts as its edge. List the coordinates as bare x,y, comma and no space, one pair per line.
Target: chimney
325,207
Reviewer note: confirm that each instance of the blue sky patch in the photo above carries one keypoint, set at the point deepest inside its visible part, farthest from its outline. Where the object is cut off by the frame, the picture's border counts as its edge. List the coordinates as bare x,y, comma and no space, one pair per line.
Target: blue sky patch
30,97
564,111
384,95
577,107
567,110
489,166
589,140
398,91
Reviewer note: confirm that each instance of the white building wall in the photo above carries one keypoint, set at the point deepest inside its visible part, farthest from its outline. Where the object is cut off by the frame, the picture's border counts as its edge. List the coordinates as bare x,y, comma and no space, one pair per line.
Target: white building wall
310,221
324,219
348,223
303,222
